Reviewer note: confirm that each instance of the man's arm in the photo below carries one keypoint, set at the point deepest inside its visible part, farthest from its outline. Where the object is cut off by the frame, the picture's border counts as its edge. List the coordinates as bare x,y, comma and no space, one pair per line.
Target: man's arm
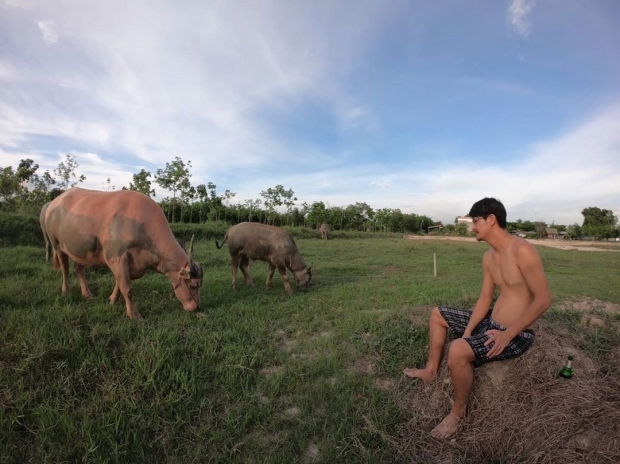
484,300
532,271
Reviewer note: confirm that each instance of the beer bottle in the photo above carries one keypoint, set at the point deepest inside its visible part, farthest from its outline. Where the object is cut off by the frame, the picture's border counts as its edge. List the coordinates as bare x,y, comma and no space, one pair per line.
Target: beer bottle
567,372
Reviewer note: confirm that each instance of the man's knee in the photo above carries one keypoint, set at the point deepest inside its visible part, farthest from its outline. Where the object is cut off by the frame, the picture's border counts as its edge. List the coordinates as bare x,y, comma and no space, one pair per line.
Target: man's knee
437,318
460,353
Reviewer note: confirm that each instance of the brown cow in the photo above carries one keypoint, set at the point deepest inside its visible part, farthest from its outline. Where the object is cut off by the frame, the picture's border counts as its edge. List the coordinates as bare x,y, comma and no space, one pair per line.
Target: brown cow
45,237
324,229
126,232
254,241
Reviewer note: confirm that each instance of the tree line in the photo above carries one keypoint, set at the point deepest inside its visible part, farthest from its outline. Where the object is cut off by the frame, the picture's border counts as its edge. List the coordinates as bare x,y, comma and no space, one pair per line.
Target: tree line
24,190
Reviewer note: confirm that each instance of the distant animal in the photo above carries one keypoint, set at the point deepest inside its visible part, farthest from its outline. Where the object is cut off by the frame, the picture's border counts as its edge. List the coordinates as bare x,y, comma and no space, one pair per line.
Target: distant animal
254,241
42,222
126,232
324,229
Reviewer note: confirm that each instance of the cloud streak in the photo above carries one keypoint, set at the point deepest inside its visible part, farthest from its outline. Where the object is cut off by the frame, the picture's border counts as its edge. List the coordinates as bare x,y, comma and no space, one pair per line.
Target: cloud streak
518,15
48,31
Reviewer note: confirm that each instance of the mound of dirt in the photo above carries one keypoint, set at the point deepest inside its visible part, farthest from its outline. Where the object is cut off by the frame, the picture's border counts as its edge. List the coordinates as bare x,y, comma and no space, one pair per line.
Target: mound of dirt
521,411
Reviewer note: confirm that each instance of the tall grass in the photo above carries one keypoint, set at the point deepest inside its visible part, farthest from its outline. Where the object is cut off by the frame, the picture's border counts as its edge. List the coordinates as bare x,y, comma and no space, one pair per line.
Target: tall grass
255,376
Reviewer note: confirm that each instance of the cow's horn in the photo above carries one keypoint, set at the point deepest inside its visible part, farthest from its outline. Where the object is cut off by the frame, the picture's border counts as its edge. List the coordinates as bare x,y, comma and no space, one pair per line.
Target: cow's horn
191,251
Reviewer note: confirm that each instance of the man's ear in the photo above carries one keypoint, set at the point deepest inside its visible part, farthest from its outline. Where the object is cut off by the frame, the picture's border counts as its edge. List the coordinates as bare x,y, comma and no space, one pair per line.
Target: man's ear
185,274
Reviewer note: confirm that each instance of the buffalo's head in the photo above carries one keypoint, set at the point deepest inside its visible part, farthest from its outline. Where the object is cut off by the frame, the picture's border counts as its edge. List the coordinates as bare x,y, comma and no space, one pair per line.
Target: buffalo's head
303,278
188,286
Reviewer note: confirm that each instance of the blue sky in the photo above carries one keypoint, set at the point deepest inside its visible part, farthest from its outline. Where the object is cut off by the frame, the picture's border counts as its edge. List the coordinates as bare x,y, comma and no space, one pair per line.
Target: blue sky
419,105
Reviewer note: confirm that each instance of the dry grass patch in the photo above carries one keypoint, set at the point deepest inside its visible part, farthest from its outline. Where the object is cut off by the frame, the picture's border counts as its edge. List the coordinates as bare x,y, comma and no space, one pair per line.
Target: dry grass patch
271,370
589,304
384,384
364,365
520,411
389,270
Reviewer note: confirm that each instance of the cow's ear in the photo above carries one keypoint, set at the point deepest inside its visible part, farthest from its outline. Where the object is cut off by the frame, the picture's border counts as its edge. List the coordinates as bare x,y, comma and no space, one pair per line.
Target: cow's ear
309,271
185,274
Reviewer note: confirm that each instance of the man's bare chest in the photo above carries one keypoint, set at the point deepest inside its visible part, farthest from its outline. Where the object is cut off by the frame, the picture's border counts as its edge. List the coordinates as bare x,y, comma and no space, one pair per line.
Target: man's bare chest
505,271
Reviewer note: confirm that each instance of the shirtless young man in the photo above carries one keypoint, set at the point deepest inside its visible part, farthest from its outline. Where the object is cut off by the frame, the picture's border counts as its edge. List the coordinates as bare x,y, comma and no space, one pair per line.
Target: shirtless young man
502,332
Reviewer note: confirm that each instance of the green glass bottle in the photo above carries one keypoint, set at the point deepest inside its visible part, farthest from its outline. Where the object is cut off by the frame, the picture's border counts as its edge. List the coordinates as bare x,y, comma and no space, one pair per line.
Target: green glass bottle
567,372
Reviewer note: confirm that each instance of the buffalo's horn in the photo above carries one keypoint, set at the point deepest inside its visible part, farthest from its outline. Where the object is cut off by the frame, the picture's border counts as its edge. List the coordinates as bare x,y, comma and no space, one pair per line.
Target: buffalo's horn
191,251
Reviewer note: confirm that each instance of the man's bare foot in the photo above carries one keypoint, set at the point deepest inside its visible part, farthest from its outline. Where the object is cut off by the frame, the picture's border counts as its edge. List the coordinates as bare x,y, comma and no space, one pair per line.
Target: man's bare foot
424,374
447,427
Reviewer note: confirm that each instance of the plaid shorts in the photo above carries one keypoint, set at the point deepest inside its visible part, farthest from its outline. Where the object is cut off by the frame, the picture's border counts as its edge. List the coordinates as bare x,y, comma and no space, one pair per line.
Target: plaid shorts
458,319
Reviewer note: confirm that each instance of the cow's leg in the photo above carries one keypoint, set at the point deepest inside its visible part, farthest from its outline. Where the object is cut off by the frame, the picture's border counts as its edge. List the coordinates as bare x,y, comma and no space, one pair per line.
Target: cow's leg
63,261
234,265
115,294
272,269
120,269
79,272
284,275
245,268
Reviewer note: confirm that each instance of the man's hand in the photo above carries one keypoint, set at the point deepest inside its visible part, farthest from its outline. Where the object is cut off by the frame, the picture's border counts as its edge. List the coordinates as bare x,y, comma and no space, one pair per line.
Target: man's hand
500,340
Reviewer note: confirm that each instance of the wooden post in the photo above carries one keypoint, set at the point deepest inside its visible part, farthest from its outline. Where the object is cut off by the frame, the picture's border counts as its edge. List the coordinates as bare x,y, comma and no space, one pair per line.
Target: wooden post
434,265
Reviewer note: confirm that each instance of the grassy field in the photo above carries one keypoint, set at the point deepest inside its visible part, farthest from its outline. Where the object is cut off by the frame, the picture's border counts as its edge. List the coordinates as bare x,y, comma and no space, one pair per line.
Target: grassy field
256,376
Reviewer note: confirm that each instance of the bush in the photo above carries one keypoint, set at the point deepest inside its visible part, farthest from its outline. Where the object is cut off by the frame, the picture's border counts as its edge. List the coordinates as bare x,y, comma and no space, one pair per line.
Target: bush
20,229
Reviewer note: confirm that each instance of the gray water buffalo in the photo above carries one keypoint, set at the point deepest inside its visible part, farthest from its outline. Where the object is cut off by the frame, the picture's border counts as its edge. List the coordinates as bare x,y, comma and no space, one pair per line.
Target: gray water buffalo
324,229
126,232
254,241
45,237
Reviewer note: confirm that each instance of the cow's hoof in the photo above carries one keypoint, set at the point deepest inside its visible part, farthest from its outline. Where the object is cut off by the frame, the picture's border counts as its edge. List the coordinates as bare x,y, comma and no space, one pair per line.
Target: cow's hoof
135,315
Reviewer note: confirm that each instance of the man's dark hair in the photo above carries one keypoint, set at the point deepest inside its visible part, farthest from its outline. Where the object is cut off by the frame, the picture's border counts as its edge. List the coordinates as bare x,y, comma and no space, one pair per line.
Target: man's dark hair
486,207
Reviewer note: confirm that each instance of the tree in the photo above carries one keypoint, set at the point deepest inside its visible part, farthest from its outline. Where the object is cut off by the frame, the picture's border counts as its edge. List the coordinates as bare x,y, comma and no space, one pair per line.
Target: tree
142,183
252,205
574,231
317,214
228,195
598,222
540,229
67,173
174,177
107,185
273,199
10,187
594,216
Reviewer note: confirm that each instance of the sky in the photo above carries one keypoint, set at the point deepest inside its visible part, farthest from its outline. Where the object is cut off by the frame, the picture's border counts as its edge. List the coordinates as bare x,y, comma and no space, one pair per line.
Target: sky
419,105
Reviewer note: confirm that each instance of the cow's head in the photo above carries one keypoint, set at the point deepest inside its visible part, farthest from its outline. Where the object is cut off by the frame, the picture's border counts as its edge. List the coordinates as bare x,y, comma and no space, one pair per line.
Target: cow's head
188,286
303,278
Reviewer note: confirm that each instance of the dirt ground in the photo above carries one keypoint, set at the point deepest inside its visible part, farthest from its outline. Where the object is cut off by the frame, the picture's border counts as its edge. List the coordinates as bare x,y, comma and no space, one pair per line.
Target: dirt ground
561,244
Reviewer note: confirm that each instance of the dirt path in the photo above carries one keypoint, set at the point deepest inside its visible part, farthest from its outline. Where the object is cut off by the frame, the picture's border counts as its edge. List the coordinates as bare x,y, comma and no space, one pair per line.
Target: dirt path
561,244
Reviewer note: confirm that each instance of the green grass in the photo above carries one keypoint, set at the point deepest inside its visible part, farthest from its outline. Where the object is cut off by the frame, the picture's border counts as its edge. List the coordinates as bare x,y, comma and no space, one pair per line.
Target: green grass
256,376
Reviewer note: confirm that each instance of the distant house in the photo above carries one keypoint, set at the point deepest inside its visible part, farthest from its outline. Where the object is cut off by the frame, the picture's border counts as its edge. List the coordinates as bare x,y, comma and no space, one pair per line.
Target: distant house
551,233
465,220
434,229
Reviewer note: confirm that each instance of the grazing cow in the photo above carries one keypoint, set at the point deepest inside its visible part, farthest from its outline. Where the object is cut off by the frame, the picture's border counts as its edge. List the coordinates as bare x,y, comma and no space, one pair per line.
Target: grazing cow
324,229
42,222
254,241
126,232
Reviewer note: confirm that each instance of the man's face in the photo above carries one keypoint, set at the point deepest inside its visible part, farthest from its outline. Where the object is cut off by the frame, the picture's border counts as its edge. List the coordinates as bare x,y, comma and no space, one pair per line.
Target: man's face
480,226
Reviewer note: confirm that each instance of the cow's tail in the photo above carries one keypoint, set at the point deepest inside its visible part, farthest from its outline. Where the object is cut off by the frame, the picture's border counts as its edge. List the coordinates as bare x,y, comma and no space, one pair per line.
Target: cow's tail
223,241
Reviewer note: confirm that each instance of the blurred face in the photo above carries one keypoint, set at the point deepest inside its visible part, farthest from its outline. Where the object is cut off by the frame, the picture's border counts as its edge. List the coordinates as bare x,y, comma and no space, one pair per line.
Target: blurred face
479,226
303,278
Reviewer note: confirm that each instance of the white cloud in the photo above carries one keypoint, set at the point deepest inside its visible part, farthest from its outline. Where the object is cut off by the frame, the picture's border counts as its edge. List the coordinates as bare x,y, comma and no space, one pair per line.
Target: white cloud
381,184
48,31
518,16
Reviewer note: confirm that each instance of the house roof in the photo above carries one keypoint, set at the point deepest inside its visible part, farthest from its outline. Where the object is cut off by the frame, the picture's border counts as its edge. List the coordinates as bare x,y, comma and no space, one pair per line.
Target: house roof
551,231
